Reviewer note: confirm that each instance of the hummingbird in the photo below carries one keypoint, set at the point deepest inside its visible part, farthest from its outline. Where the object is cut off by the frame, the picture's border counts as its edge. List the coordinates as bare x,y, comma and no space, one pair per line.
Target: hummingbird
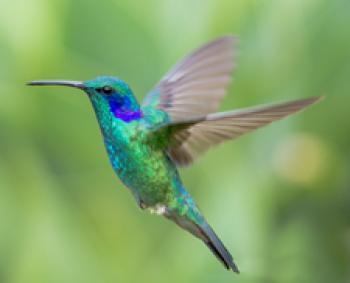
176,122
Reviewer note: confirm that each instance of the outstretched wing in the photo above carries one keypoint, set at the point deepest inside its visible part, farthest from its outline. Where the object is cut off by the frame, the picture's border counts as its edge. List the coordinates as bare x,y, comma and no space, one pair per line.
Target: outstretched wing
191,138
196,84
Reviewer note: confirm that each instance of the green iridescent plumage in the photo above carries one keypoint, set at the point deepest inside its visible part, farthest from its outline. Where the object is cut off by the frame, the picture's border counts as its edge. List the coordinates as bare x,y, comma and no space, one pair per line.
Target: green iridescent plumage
175,123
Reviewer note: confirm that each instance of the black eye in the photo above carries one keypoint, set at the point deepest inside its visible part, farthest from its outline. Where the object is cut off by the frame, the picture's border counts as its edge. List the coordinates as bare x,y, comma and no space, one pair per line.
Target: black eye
105,90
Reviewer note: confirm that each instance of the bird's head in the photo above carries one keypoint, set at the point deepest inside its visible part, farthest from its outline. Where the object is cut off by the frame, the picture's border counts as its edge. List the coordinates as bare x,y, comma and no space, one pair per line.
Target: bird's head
106,94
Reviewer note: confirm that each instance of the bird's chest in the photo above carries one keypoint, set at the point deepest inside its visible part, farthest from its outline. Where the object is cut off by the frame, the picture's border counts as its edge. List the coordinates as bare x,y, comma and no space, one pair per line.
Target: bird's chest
130,153
125,146
140,166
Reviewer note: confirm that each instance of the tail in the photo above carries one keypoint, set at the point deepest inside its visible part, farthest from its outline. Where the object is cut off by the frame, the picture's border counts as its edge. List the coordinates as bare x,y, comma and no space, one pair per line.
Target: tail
217,247
195,223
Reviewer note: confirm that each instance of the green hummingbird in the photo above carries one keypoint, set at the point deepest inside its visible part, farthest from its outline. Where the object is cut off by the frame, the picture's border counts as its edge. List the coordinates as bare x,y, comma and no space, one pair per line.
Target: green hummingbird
174,124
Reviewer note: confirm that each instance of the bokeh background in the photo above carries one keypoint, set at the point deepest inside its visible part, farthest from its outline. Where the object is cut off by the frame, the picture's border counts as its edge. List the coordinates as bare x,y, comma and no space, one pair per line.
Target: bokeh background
278,198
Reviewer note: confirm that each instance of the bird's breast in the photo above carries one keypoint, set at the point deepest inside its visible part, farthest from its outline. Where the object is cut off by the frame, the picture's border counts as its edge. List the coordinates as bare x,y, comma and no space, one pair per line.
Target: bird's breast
141,166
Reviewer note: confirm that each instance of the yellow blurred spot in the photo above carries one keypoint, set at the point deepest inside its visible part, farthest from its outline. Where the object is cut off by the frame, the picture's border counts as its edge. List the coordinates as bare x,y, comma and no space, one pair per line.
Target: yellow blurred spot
301,158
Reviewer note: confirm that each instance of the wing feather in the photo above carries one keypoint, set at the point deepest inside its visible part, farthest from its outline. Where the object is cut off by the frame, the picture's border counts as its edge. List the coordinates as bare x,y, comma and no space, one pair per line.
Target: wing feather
196,85
198,136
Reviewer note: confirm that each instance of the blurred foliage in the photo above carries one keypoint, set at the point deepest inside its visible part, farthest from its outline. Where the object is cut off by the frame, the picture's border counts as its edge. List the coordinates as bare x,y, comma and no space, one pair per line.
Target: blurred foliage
278,198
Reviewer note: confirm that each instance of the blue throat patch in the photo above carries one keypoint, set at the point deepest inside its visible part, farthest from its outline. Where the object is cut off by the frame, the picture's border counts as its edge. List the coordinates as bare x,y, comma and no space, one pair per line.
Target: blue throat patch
121,107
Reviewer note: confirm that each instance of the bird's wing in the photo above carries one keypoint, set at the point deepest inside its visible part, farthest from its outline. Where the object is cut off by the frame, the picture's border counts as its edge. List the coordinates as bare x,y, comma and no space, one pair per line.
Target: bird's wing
196,84
188,139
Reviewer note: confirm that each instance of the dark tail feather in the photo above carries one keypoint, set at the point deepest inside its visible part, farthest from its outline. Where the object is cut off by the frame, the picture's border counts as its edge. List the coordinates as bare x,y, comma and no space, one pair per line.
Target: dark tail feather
218,248
201,229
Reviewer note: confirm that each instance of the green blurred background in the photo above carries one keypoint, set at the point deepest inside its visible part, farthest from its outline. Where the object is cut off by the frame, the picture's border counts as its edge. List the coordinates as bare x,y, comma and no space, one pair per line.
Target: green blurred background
278,198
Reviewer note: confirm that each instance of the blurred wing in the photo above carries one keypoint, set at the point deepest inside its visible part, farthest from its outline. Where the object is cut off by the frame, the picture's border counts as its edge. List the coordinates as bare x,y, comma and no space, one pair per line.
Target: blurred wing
189,139
196,84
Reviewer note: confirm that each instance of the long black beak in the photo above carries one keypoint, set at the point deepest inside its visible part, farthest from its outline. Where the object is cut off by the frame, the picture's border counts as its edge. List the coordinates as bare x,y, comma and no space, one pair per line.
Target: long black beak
75,84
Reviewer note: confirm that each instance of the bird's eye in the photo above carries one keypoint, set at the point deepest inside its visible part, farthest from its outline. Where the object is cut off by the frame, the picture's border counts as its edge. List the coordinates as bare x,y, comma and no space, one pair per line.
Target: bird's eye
105,90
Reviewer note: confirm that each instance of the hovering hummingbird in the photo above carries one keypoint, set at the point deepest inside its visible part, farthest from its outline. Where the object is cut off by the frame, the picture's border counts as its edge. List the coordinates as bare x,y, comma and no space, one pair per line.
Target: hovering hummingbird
174,124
